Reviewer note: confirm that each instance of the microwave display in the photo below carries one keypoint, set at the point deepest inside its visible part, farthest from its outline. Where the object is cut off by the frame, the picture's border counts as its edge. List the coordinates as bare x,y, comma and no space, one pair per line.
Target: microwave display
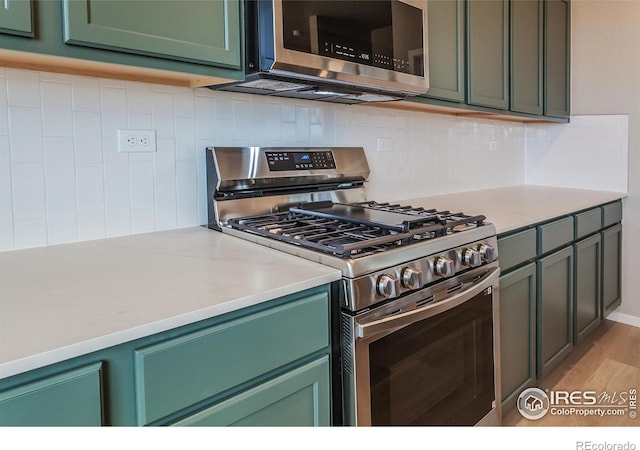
384,34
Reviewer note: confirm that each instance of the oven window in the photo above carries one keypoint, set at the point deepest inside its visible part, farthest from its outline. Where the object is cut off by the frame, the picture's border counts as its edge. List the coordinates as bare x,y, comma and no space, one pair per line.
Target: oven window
438,371
376,33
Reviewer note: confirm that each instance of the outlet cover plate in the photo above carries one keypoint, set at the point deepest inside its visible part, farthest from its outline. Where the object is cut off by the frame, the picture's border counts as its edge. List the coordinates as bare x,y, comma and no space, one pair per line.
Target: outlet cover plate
136,140
385,144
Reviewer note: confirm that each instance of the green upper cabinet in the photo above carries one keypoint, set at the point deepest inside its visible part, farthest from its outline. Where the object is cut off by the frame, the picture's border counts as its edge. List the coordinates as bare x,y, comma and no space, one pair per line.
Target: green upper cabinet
556,58
526,56
201,31
180,42
16,17
488,47
446,50
507,57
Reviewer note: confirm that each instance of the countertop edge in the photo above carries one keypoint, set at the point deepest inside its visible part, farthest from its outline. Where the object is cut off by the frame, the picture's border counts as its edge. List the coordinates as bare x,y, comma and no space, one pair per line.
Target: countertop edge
515,207
544,218
61,354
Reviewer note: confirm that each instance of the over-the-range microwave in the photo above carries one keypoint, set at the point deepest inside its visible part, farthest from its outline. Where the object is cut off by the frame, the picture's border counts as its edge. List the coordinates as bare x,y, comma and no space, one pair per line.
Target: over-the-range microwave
339,51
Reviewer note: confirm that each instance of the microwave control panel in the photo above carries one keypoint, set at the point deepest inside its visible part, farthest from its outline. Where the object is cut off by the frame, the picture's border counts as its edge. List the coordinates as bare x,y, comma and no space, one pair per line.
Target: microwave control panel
280,161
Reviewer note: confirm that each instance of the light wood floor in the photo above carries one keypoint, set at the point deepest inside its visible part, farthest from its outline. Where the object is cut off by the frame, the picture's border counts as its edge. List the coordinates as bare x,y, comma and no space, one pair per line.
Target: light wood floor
608,360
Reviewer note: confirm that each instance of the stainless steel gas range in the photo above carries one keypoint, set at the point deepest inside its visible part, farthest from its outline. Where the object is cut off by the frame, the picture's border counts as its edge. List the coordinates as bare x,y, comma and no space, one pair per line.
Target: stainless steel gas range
418,329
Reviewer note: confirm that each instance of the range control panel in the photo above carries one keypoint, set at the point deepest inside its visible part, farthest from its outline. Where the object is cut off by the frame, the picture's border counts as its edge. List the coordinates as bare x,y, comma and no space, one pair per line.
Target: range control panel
280,161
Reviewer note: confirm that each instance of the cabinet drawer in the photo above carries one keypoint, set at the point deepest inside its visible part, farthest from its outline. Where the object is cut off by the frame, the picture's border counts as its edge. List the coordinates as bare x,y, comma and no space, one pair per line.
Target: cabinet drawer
588,222
180,372
555,234
71,398
297,398
516,248
611,213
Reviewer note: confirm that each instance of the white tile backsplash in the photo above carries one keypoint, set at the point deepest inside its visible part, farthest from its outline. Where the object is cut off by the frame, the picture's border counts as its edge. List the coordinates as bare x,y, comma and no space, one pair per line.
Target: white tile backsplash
62,178
28,191
23,88
25,134
590,152
5,166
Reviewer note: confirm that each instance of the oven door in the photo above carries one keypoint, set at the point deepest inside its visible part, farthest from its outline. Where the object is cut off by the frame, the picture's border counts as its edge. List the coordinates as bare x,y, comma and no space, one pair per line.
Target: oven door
431,358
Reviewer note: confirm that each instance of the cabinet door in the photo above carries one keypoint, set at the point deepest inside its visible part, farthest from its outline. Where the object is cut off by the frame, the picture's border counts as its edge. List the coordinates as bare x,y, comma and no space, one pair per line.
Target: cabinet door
517,333
205,31
556,58
555,309
72,398
180,372
16,17
446,50
587,286
526,56
488,46
611,268
300,397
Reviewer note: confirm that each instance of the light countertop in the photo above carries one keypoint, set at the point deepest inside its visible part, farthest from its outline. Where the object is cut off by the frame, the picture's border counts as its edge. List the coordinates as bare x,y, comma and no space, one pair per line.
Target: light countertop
513,207
67,300
64,301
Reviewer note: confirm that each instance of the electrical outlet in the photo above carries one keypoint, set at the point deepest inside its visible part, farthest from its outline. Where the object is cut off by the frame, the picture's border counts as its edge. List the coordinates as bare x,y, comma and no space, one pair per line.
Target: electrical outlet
385,144
136,140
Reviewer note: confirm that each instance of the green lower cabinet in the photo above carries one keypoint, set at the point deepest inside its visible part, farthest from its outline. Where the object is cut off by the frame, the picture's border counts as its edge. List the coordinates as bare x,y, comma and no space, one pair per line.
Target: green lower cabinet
611,269
554,309
587,286
268,364
297,398
201,365
517,333
71,398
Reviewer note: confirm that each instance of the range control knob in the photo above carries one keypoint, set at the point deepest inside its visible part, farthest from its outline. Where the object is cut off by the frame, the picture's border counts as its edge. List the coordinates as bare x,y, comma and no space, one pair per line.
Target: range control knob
471,257
487,253
411,278
443,267
388,286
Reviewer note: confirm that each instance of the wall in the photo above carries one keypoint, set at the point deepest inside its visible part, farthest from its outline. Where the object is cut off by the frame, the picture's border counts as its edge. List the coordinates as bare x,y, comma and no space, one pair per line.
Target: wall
605,67
63,180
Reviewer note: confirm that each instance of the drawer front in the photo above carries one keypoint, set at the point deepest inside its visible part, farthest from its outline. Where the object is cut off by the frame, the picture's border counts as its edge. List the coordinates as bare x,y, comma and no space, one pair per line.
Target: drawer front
588,222
611,213
297,398
555,234
180,372
516,248
71,398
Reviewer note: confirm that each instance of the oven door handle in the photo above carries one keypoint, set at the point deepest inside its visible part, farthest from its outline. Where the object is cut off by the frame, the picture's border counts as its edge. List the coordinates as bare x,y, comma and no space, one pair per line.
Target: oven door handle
397,321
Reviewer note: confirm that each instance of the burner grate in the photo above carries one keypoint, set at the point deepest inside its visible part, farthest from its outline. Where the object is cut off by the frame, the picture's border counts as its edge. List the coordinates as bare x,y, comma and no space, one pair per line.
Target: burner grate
333,236
349,238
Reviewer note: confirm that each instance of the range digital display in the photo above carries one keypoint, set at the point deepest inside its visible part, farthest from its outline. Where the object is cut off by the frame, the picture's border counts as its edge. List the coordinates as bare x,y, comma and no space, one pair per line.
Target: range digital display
279,161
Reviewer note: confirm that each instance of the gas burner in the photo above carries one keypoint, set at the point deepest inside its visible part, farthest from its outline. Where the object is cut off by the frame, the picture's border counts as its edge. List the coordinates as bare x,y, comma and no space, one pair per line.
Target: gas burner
358,229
